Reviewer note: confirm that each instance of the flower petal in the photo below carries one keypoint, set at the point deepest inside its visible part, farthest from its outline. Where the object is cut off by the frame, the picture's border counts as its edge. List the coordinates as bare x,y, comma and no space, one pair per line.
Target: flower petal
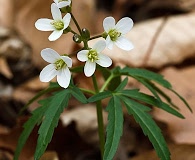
109,23
66,20
109,43
44,24
89,68
124,25
64,4
49,55
104,60
48,73
55,35
55,11
82,55
56,1
63,77
124,43
67,60
99,46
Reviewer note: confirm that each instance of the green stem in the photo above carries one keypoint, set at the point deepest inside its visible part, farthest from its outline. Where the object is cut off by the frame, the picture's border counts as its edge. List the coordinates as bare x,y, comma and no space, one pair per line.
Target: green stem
87,91
107,82
76,23
99,118
98,36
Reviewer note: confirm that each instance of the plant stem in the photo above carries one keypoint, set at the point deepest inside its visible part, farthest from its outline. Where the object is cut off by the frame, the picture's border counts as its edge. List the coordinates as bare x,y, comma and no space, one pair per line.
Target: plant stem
76,23
99,118
106,82
98,36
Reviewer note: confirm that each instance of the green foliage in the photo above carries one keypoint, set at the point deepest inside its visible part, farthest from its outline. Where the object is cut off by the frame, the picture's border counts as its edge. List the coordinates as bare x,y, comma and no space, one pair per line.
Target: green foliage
114,127
35,119
148,126
51,118
138,105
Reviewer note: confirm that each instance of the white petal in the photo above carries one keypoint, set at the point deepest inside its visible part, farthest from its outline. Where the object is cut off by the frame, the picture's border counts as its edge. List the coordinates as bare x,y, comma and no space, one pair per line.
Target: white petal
82,55
63,77
108,23
55,35
104,60
66,20
67,60
55,11
99,46
49,55
48,73
64,4
44,24
89,68
124,43
109,43
124,25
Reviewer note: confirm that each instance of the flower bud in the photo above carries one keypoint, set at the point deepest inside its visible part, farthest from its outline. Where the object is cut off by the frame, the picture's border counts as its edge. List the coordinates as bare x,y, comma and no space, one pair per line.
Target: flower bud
85,34
77,38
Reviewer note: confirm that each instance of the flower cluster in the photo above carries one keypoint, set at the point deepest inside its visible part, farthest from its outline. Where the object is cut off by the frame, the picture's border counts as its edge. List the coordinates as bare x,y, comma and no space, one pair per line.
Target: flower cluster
114,33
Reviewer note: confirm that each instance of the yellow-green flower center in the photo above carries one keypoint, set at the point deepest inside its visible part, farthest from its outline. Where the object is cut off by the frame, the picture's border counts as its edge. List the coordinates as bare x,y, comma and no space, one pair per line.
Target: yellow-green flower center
59,25
92,55
114,34
59,64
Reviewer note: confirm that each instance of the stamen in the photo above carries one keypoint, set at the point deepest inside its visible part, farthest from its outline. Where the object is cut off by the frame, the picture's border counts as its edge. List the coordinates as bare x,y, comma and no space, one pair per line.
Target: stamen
92,55
59,25
114,34
59,64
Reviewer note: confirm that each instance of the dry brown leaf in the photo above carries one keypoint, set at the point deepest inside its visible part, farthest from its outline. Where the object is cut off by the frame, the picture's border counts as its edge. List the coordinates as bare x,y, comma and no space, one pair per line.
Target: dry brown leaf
4,68
178,152
86,122
174,44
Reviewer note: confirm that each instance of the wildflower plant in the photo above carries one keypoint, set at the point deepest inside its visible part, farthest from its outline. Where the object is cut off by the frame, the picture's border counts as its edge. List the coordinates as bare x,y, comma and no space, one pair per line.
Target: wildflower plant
138,104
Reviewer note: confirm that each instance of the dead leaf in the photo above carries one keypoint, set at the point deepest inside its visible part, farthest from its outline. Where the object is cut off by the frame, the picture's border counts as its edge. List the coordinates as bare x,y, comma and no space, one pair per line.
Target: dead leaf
4,68
86,122
178,152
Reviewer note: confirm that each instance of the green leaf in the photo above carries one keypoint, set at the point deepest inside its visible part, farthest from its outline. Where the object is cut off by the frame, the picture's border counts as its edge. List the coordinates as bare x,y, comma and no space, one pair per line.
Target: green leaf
142,73
122,85
39,94
78,94
148,126
36,117
51,117
135,94
184,101
100,96
148,85
114,127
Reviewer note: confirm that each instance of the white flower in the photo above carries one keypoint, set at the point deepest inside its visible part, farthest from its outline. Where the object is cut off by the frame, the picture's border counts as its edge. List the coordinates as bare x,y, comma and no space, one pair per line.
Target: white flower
62,3
114,33
57,25
93,56
59,66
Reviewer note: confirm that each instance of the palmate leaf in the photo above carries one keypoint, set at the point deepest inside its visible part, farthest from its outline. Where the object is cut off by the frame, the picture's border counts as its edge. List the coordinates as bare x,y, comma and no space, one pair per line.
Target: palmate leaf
145,77
35,119
148,126
76,92
51,117
135,94
142,73
114,127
